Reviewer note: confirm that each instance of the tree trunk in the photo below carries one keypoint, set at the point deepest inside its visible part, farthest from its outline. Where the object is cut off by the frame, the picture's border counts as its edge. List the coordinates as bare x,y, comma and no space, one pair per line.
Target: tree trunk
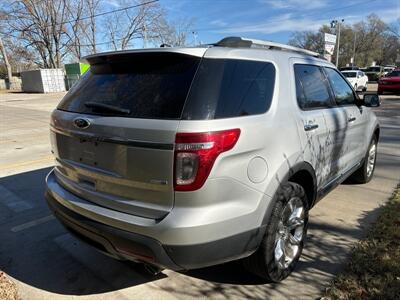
8,66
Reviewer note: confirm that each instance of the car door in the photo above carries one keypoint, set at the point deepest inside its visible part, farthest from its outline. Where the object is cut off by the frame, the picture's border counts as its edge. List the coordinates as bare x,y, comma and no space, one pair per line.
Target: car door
351,134
313,98
358,80
364,79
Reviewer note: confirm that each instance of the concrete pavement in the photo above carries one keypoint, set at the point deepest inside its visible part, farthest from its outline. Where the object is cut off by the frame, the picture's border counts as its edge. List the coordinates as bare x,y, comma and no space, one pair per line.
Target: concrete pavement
46,262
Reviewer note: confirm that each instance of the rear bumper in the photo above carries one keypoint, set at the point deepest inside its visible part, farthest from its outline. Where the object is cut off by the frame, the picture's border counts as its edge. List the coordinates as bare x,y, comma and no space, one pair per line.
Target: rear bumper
126,244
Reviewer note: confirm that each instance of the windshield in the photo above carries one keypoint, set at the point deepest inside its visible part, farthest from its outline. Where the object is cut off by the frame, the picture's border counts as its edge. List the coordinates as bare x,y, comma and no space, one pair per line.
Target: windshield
374,69
350,74
143,85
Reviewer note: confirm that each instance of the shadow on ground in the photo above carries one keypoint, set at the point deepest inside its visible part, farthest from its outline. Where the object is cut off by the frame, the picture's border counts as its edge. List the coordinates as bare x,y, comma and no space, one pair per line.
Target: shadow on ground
47,257
44,255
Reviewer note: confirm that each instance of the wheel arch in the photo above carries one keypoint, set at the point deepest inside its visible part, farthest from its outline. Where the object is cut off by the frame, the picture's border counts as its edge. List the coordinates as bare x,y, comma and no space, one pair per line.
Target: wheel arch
377,132
301,173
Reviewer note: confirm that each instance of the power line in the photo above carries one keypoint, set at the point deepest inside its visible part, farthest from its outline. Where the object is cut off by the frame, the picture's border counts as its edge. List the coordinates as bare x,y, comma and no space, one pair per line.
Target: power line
110,12
191,30
103,13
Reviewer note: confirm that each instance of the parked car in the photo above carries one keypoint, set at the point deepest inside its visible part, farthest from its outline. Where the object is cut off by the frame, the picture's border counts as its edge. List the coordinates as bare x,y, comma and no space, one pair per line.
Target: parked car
390,83
357,79
374,73
387,70
183,158
349,68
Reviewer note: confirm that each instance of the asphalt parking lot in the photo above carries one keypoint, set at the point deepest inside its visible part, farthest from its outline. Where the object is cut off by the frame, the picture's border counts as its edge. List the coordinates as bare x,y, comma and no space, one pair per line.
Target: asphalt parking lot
46,262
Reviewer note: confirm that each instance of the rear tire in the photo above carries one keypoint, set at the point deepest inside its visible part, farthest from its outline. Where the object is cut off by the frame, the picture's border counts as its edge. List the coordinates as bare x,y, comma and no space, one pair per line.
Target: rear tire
365,173
283,241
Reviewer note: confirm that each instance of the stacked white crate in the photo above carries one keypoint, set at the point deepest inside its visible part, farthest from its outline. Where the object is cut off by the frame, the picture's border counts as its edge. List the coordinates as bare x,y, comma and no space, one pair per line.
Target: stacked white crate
53,80
43,81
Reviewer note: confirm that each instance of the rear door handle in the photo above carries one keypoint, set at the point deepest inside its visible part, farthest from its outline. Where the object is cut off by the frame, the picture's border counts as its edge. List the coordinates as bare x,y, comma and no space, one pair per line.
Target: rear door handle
351,119
309,127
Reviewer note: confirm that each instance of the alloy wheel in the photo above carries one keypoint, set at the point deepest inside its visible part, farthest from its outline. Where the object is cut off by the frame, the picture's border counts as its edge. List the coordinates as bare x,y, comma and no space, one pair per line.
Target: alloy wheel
290,233
371,159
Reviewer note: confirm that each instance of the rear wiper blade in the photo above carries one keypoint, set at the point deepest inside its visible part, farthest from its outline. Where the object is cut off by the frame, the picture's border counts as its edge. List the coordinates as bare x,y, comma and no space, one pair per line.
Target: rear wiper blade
107,108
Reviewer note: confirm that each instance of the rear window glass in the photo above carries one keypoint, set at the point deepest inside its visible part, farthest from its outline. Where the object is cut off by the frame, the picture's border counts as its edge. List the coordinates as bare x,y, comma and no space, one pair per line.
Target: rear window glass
373,69
225,88
143,85
349,74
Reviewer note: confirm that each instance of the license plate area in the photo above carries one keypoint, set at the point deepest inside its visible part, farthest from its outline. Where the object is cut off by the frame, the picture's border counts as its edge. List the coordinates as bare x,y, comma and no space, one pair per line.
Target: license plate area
88,152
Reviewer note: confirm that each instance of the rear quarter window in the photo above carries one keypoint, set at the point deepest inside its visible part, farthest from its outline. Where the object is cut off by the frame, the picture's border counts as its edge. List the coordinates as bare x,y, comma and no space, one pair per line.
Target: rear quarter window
226,88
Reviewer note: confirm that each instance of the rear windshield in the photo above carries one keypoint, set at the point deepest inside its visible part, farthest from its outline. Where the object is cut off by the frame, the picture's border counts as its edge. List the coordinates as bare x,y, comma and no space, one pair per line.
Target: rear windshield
226,88
145,85
374,69
167,86
349,74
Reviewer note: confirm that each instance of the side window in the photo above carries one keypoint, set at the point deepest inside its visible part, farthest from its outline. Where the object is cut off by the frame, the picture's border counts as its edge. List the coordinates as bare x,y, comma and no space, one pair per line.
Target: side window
343,92
311,87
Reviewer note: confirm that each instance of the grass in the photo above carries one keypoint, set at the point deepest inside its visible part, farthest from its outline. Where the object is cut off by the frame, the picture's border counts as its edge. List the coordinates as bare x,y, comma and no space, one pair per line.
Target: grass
8,291
374,268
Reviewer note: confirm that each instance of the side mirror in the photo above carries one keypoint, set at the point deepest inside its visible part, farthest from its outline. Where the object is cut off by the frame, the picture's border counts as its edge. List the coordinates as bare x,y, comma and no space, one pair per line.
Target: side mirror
371,100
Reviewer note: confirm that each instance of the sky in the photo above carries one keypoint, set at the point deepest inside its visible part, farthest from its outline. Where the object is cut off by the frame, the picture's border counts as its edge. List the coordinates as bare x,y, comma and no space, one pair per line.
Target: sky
273,20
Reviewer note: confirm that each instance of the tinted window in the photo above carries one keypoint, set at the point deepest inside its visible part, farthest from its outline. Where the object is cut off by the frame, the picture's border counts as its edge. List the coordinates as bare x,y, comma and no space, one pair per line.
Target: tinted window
311,87
394,74
147,85
349,74
342,91
225,88
374,69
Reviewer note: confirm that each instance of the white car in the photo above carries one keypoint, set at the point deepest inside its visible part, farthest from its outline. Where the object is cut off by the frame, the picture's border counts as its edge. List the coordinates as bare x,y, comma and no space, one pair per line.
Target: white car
357,79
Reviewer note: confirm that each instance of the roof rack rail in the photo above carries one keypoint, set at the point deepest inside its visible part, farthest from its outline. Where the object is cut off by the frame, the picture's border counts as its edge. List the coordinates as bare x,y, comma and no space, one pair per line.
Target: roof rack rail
234,42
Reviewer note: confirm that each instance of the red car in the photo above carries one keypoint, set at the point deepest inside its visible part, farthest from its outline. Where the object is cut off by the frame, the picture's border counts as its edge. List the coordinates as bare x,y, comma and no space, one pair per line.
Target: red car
390,83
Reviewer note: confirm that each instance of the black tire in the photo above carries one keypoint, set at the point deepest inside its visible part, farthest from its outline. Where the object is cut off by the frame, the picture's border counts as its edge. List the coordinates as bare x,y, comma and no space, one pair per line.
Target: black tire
262,263
361,175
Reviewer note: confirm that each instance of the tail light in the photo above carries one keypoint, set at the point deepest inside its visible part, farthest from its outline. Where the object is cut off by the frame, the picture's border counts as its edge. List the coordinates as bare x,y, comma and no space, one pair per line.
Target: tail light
195,154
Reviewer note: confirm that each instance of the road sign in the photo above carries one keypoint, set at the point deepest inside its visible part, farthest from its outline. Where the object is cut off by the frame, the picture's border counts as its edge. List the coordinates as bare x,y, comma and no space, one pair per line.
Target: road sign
329,48
330,38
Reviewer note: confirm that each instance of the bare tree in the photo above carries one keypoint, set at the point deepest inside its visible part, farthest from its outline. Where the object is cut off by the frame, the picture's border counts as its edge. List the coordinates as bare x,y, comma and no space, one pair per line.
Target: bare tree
132,24
173,33
42,25
78,28
92,7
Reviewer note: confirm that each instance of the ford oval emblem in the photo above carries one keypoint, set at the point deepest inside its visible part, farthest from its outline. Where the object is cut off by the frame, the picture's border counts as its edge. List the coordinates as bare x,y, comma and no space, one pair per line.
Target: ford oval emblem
81,123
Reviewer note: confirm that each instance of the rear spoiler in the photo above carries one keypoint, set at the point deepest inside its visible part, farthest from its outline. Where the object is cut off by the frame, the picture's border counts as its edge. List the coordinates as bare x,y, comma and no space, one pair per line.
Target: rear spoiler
124,54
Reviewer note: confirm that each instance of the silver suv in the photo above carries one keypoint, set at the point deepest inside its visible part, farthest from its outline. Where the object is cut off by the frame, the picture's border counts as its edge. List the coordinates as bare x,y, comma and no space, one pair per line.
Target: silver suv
183,158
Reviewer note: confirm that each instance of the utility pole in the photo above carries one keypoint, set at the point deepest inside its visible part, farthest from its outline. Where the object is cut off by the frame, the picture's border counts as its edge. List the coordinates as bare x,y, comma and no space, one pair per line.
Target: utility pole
8,66
354,49
336,24
195,37
144,36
